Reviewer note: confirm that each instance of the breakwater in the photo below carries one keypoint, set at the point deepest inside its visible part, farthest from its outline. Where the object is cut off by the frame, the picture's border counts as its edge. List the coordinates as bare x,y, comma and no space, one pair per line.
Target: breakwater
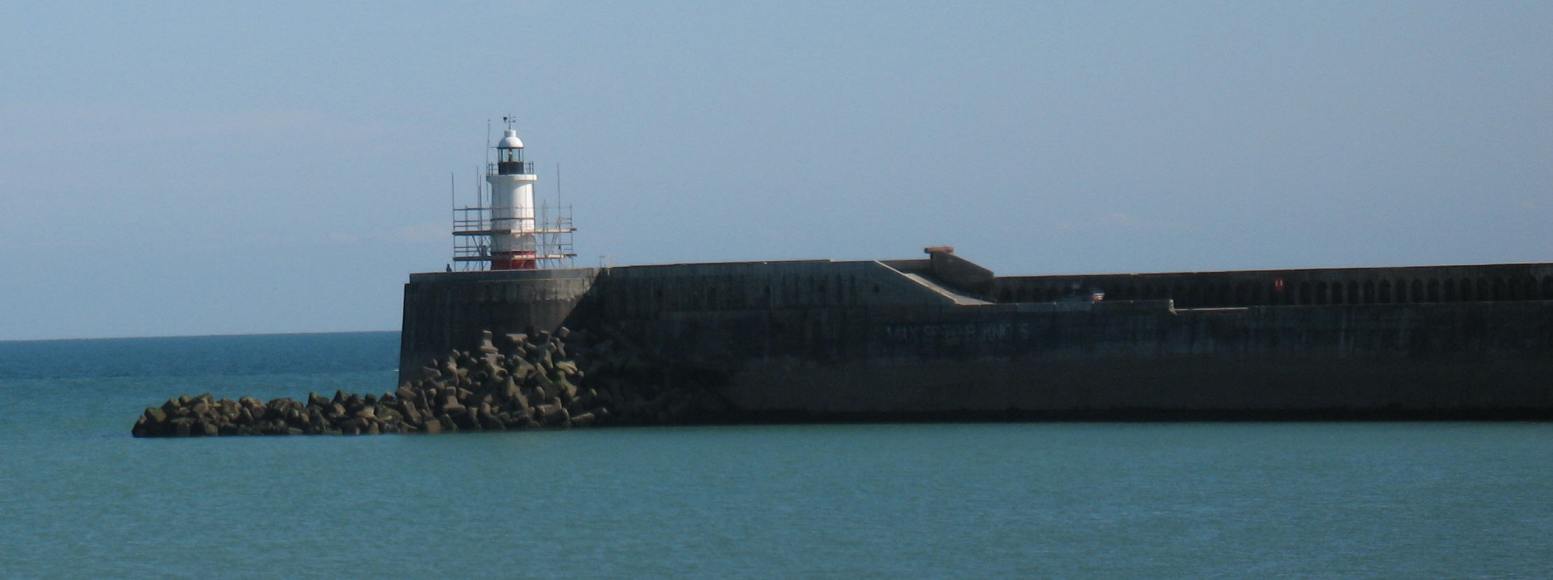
531,381
944,339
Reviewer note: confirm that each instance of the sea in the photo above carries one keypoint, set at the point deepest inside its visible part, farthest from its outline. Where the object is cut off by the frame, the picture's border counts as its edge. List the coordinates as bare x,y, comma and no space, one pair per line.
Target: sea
79,497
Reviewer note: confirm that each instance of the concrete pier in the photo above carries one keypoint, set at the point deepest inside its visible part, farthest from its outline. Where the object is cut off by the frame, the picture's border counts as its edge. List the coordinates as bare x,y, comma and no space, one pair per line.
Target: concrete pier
943,339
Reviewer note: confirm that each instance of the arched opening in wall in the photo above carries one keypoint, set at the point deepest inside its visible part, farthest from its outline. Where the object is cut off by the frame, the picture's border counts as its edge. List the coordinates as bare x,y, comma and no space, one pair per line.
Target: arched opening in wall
1464,290
1449,291
1415,291
1302,293
1484,290
1005,295
1501,292
1384,290
711,297
1547,288
1433,291
1242,294
1351,294
1522,288
1368,292
1321,294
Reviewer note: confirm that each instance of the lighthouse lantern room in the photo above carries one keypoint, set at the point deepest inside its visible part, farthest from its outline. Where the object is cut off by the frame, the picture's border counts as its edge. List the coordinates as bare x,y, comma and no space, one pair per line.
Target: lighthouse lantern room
510,232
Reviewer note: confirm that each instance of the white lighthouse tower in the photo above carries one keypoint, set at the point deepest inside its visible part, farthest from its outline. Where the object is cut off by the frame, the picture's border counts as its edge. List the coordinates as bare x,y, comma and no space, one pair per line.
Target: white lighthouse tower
507,230
513,229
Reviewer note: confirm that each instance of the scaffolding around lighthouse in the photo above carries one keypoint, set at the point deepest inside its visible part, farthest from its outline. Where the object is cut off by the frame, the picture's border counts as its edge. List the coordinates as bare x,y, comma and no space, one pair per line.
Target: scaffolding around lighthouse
552,228
505,229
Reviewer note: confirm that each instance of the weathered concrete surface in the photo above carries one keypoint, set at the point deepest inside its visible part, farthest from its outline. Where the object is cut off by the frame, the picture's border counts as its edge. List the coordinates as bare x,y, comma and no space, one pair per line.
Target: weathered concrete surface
1313,286
959,273
448,310
1433,360
823,340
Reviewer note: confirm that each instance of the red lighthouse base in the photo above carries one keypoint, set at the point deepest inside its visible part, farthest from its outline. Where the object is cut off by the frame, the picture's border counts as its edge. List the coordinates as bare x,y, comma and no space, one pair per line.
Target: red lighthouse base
514,261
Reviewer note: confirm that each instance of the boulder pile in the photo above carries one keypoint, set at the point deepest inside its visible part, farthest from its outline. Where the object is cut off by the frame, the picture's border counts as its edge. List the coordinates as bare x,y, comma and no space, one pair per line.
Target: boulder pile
533,383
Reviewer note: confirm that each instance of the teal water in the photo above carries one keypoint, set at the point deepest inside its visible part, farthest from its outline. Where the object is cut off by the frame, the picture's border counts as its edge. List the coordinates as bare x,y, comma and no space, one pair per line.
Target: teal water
80,498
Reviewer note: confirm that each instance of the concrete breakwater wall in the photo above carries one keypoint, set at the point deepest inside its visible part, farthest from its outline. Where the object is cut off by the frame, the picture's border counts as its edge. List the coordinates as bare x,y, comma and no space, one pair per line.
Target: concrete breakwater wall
934,339
1304,287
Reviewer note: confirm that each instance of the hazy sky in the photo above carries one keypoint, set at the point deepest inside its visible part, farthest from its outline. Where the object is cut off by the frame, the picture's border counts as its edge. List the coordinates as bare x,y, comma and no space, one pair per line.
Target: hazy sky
204,167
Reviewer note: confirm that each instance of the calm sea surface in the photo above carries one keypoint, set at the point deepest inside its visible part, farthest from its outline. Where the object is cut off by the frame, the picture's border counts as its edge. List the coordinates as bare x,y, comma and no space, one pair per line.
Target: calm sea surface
79,497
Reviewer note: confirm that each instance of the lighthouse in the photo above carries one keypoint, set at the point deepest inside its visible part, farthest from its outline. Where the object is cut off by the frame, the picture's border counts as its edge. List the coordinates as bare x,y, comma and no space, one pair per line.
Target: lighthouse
507,230
513,229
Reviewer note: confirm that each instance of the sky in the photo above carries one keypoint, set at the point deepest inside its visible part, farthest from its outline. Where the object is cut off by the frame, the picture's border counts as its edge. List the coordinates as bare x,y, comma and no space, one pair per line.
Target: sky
186,168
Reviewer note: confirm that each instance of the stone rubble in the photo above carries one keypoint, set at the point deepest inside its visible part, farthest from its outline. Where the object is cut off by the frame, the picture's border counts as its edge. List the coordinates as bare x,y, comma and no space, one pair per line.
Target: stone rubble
535,383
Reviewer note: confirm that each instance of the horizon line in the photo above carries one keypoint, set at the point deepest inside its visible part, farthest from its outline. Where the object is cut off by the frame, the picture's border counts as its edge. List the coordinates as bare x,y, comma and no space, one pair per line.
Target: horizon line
209,335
